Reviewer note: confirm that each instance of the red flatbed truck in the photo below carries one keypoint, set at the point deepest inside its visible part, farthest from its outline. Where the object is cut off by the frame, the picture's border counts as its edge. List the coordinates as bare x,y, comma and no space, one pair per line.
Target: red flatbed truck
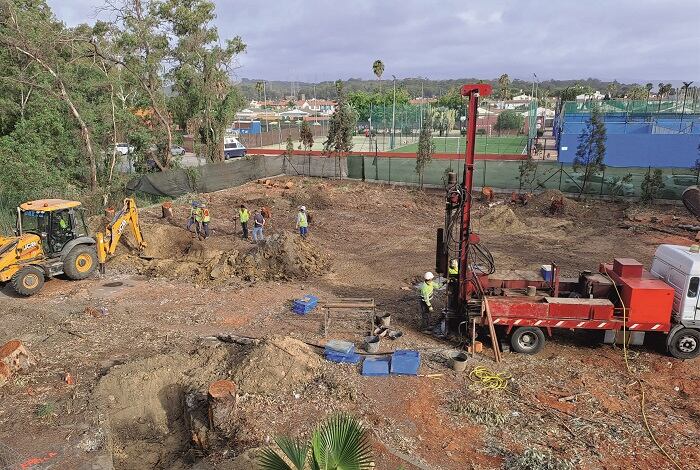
620,296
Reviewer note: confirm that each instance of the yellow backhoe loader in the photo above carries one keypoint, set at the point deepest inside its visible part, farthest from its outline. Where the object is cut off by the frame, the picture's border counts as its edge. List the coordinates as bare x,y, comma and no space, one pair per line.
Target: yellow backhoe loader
51,238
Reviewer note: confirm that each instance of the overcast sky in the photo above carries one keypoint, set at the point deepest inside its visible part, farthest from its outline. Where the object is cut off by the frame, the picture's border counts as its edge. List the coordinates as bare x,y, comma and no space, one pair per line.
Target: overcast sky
312,40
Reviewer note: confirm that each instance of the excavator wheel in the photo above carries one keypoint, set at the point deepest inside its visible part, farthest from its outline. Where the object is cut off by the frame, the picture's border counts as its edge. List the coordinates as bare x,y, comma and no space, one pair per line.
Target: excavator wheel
28,281
81,262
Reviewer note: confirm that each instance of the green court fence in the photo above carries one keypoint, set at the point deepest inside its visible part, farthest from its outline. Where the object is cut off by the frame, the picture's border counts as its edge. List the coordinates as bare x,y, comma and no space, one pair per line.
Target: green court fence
506,175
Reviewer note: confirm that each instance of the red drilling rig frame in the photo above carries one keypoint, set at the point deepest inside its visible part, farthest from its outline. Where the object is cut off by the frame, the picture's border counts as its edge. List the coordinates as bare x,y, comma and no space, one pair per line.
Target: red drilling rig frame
466,283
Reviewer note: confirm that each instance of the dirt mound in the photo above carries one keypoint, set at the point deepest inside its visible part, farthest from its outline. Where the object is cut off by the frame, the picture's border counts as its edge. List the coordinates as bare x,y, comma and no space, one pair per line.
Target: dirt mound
500,218
318,197
542,203
173,253
276,364
284,256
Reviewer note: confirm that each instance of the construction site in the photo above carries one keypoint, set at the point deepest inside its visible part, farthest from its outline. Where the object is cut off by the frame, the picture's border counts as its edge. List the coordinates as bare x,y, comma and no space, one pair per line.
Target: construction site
553,340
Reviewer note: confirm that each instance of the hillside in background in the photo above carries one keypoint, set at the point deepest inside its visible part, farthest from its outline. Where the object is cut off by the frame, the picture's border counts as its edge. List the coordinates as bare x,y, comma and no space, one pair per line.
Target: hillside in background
415,86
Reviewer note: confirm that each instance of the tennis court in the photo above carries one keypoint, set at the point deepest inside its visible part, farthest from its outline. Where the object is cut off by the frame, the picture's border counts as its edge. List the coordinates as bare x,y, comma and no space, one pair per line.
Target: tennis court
484,144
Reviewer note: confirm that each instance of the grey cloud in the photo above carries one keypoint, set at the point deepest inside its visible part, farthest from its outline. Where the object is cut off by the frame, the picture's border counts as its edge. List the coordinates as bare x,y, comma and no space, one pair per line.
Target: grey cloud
316,39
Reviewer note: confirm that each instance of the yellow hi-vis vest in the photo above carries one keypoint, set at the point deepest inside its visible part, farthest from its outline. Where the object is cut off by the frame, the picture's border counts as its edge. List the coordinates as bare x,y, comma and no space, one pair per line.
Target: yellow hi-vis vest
426,292
244,215
205,215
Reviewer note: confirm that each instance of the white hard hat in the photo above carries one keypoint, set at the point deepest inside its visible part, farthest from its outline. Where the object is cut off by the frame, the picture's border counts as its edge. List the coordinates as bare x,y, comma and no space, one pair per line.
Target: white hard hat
302,208
454,262
428,276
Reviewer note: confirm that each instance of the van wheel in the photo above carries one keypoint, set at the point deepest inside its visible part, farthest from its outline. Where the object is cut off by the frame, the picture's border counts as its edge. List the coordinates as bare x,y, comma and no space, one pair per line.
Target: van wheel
527,340
81,262
28,281
685,344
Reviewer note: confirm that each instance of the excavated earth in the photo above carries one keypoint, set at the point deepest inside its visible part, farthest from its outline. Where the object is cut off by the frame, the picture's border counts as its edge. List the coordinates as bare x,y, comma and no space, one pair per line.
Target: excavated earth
124,361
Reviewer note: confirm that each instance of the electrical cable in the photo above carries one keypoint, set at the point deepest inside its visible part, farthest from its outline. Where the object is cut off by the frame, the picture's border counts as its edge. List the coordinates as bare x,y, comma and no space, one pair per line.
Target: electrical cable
639,381
488,379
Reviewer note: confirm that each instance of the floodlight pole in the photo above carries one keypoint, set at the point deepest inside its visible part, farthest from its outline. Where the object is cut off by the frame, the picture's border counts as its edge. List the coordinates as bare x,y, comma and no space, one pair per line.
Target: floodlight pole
393,116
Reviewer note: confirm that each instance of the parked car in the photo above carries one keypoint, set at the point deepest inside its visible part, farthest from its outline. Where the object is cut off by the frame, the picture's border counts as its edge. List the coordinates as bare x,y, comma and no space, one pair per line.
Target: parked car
574,183
674,185
177,151
233,148
124,148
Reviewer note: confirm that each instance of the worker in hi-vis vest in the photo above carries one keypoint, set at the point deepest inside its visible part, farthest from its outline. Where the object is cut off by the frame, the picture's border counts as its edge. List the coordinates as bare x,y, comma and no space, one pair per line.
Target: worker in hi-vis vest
206,218
426,297
244,217
303,222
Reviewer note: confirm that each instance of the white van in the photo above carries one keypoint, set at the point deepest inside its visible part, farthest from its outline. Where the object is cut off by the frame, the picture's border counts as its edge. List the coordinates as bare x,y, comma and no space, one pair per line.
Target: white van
233,148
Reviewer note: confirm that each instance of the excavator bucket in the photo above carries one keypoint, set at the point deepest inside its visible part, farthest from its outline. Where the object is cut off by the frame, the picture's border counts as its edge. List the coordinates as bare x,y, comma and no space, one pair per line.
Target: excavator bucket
691,200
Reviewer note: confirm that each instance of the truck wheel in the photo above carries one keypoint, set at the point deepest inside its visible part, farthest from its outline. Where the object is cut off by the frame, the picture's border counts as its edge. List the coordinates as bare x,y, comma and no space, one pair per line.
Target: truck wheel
28,281
685,344
527,340
80,262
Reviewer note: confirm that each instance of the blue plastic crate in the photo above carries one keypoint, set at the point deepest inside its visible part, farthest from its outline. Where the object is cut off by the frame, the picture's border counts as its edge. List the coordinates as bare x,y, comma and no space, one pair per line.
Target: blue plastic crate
546,271
343,358
304,305
338,345
405,362
376,366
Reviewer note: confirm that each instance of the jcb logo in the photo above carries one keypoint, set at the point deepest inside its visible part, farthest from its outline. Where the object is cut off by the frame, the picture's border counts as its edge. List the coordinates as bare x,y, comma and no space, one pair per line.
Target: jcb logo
122,226
30,245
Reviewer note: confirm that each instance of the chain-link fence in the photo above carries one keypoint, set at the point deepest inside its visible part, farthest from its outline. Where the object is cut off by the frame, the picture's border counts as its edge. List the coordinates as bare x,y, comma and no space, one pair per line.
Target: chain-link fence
525,175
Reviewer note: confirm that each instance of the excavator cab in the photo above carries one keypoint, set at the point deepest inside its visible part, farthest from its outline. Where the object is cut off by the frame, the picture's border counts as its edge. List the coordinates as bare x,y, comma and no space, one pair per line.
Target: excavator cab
57,226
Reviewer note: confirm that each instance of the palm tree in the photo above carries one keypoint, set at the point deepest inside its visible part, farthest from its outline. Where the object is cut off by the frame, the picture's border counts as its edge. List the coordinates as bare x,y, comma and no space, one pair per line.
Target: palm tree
341,443
649,86
378,69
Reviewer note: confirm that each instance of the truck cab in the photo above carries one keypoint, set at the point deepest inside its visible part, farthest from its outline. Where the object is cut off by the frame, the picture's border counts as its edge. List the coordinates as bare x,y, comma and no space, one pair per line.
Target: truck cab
679,267
233,148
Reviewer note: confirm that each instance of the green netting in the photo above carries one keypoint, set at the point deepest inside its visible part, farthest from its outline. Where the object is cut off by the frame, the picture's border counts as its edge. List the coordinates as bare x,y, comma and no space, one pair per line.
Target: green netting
505,175
634,107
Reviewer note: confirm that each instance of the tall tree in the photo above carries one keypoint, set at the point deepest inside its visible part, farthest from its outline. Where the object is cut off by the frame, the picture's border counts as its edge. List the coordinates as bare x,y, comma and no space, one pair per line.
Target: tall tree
306,136
442,119
649,87
48,56
426,148
590,153
504,86
201,70
378,70
340,127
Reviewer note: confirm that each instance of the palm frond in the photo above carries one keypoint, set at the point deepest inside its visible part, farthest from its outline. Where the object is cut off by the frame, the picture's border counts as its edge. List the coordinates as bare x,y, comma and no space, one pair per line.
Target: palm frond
268,459
295,450
341,444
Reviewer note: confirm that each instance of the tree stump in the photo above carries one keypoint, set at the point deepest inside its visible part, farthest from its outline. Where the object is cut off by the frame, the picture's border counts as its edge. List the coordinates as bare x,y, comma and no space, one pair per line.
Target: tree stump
167,209
15,356
222,406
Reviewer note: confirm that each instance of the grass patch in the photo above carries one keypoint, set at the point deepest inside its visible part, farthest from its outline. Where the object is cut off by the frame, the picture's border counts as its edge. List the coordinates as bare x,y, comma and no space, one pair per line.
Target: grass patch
484,144
533,459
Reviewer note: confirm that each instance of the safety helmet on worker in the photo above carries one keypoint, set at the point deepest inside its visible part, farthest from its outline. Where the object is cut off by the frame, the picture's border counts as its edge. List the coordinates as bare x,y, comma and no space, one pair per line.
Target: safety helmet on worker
302,208
428,276
454,263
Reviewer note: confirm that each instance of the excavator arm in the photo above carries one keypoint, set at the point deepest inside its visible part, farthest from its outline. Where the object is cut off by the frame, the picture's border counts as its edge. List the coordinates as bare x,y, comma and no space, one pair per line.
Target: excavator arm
107,242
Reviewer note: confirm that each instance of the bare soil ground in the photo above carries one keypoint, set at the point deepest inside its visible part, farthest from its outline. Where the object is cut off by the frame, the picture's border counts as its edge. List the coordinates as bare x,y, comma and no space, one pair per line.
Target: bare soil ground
137,342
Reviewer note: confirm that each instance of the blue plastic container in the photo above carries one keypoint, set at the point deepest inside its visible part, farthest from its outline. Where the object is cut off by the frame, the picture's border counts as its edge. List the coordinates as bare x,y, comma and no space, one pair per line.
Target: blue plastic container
546,271
338,345
343,358
304,305
376,366
405,362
